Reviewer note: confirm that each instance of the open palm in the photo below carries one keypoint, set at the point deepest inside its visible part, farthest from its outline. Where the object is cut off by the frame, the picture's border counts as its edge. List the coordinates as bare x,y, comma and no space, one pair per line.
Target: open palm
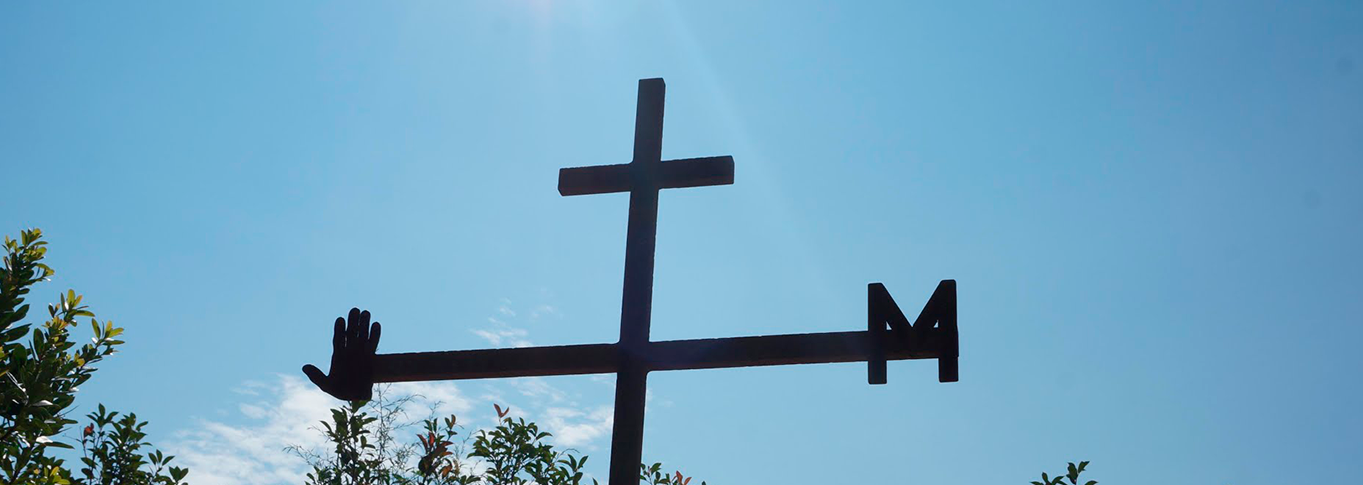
353,344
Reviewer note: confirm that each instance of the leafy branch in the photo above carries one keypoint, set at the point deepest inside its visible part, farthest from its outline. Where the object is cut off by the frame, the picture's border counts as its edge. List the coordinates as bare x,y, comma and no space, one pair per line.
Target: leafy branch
1072,474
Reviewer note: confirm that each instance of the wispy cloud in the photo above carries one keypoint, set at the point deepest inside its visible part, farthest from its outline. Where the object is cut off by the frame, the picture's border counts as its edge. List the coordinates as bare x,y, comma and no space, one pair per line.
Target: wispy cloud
575,428
503,334
505,308
539,390
253,453
286,413
543,311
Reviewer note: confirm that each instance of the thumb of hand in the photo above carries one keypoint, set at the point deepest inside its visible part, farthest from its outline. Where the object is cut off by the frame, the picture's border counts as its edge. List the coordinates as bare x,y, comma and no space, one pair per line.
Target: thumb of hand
317,377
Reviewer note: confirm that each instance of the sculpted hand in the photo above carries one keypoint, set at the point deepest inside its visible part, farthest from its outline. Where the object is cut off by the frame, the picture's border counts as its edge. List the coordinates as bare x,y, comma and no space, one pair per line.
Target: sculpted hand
352,359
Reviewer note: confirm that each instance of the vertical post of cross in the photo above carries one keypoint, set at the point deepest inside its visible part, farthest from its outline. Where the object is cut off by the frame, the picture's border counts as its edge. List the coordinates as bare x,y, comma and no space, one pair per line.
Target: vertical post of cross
636,306
643,177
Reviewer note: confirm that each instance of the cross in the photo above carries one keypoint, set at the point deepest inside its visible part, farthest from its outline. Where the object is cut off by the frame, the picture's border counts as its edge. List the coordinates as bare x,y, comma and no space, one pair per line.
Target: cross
889,334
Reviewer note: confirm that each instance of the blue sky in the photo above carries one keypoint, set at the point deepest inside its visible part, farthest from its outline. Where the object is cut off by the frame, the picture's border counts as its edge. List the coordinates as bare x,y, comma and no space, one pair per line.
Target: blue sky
1152,210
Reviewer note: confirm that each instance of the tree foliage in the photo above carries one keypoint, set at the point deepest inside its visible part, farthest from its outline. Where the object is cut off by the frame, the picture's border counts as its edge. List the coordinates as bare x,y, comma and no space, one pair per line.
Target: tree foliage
112,449
39,379
1071,473
514,452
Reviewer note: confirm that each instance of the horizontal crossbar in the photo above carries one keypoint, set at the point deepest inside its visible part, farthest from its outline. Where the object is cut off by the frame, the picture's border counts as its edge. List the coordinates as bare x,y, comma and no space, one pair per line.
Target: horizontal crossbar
808,348
672,174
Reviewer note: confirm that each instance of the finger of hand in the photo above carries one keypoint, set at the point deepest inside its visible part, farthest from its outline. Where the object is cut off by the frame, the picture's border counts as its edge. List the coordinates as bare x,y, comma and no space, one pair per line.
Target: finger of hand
338,335
362,329
352,320
317,377
374,333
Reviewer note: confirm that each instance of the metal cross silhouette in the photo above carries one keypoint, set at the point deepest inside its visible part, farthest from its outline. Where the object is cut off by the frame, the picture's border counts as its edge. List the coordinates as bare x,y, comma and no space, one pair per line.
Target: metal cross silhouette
355,366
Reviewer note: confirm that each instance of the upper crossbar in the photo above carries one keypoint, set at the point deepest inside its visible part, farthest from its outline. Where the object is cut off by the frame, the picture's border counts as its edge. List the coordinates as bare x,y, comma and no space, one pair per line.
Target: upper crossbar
672,174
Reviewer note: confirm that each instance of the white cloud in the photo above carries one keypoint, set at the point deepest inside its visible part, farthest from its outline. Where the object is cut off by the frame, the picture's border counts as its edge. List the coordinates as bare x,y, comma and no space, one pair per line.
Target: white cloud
251,449
538,390
252,411
432,398
253,452
515,337
502,333
250,388
573,428
543,310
